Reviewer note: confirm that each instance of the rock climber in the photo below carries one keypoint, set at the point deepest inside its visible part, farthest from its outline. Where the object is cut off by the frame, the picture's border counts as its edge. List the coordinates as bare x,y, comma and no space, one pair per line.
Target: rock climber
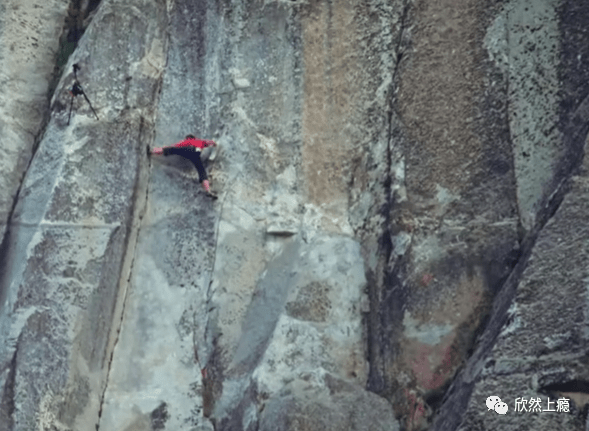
190,149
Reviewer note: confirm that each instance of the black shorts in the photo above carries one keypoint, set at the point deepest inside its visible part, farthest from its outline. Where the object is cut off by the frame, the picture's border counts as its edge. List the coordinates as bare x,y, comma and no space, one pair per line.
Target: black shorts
193,156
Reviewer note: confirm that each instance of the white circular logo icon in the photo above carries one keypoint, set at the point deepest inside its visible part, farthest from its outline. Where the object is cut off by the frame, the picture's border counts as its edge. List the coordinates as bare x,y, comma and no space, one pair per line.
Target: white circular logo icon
501,408
491,401
495,403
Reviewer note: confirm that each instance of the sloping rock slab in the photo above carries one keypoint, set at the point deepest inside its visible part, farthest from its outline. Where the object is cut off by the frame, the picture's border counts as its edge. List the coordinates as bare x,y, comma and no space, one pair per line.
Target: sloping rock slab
344,407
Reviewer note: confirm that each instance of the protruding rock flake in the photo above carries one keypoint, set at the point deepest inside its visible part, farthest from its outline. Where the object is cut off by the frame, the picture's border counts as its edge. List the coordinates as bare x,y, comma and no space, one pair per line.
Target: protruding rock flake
397,239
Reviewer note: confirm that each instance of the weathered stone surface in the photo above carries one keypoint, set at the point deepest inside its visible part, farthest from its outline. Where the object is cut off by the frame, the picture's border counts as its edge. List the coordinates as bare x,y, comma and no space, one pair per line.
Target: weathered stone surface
156,359
543,357
29,39
450,230
340,407
316,335
253,105
385,174
525,43
72,229
459,204
526,337
331,123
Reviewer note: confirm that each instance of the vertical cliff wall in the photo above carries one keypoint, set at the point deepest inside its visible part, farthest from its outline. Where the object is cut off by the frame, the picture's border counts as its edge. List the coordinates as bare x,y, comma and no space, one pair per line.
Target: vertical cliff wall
401,195
69,246
30,38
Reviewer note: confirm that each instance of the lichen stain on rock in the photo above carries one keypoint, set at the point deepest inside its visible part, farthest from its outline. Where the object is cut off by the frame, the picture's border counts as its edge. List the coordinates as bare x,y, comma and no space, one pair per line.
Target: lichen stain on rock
431,365
329,88
436,96
433,360
312,303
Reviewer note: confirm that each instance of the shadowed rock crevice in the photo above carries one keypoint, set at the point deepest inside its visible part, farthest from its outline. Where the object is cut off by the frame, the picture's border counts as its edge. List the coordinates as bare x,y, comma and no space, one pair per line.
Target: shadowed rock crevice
458,395
80,13
456,400
141,199
580,386
5,258
386,293
7,399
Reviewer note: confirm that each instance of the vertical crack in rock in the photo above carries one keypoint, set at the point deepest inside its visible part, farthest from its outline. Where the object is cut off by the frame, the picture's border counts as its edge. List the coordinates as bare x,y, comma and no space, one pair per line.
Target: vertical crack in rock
141,200
376,376
508,85
210,371
7,401
456,399
208,294
458,395
4,257
80,14
146,135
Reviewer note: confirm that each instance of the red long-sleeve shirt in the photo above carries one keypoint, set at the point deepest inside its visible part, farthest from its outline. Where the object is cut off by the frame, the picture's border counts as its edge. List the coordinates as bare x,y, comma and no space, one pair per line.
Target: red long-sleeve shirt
197,144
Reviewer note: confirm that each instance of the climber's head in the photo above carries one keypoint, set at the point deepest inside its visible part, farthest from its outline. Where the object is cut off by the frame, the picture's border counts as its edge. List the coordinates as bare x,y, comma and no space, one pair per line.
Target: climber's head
190,137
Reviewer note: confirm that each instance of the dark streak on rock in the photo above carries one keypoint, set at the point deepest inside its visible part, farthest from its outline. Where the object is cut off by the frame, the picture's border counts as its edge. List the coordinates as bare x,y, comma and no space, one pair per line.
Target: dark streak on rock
212,381
578,386
7,404
456,400
159,417
145,134
574,128
5,257
235,422
386,294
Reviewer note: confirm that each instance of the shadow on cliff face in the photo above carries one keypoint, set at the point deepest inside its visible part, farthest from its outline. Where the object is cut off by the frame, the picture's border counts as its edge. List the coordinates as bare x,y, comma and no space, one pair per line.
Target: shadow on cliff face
80,14
4,265
463,221
476,378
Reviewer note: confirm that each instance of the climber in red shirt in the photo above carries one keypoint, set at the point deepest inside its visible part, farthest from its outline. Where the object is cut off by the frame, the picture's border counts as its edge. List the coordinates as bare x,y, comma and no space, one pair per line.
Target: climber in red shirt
190,148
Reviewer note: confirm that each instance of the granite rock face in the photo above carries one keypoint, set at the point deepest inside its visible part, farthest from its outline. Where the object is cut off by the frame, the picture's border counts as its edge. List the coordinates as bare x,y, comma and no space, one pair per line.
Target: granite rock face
73,230
401,196
30,37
